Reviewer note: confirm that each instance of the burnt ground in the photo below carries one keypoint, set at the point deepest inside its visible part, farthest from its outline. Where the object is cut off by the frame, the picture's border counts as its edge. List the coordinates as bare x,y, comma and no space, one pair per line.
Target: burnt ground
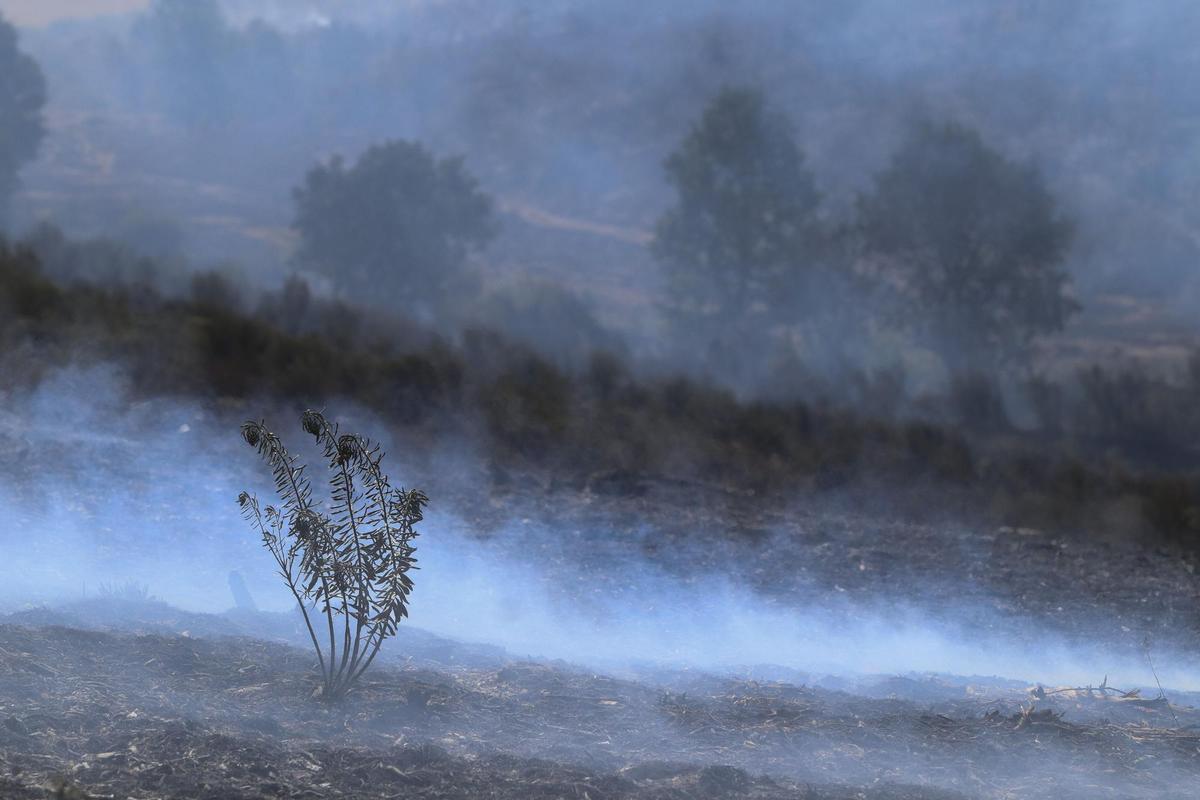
865,546
105,713
142,700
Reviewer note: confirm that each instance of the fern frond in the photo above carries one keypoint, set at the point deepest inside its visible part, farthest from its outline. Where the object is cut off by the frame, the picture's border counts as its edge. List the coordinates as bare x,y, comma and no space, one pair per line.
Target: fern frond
352,560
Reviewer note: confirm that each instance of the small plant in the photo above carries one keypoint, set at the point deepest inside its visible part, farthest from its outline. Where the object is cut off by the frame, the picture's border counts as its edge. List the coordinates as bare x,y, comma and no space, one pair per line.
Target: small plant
127,592
347,560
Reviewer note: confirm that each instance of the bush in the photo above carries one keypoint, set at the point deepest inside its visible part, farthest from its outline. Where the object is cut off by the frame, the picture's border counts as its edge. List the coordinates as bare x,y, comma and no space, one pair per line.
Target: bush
127,592
976,403
351,559
1114,438
395,229
528,407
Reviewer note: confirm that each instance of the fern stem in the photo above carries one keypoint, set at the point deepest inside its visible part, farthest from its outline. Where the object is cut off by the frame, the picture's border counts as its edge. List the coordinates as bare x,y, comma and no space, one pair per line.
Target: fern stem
360,611
302,504
374,651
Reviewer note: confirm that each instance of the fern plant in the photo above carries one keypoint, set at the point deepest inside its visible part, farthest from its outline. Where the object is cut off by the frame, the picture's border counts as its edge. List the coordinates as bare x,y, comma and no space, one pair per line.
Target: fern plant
346,561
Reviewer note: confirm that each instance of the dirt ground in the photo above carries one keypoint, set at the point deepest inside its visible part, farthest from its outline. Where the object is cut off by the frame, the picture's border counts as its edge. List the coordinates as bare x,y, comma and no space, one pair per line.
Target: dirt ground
137,699
103,713
867,546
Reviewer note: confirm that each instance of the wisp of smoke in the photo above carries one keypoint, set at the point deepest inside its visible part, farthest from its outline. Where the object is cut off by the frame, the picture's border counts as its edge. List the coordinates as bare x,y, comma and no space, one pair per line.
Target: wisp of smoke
99,490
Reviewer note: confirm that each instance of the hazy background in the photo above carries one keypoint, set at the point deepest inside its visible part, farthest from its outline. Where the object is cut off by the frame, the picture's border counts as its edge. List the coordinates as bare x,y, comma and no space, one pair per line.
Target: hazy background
101,490
565,112
171,157
44,12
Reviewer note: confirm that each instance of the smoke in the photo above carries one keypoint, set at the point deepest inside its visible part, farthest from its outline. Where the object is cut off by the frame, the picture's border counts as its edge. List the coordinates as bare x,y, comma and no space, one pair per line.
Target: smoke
711,623
99,490
571,107
185,143
565,110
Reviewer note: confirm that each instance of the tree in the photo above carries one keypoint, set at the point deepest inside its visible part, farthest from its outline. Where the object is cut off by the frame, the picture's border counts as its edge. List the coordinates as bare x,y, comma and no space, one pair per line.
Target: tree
396,228
552,320
973,242
348,559
22,97
744,232
190,44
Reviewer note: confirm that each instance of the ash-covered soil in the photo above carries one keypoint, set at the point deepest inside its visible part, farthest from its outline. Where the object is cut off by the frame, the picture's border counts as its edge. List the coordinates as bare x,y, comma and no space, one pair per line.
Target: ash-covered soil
865,547
142,700
103,713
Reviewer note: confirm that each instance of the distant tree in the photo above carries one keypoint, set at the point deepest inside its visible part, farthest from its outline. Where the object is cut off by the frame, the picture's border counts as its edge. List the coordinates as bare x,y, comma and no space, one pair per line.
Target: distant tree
394,229
190,43
552,320
744,232
973,242
22,97
265,66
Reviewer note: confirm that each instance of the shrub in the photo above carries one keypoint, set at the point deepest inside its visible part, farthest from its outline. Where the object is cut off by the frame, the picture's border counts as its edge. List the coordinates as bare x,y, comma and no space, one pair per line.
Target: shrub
529,406
976,403
349,558
394,229
128,592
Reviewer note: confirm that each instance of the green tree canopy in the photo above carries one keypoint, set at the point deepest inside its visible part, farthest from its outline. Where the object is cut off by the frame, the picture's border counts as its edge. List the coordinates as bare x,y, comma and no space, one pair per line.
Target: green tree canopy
974,243
395,228
22,97
744,232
